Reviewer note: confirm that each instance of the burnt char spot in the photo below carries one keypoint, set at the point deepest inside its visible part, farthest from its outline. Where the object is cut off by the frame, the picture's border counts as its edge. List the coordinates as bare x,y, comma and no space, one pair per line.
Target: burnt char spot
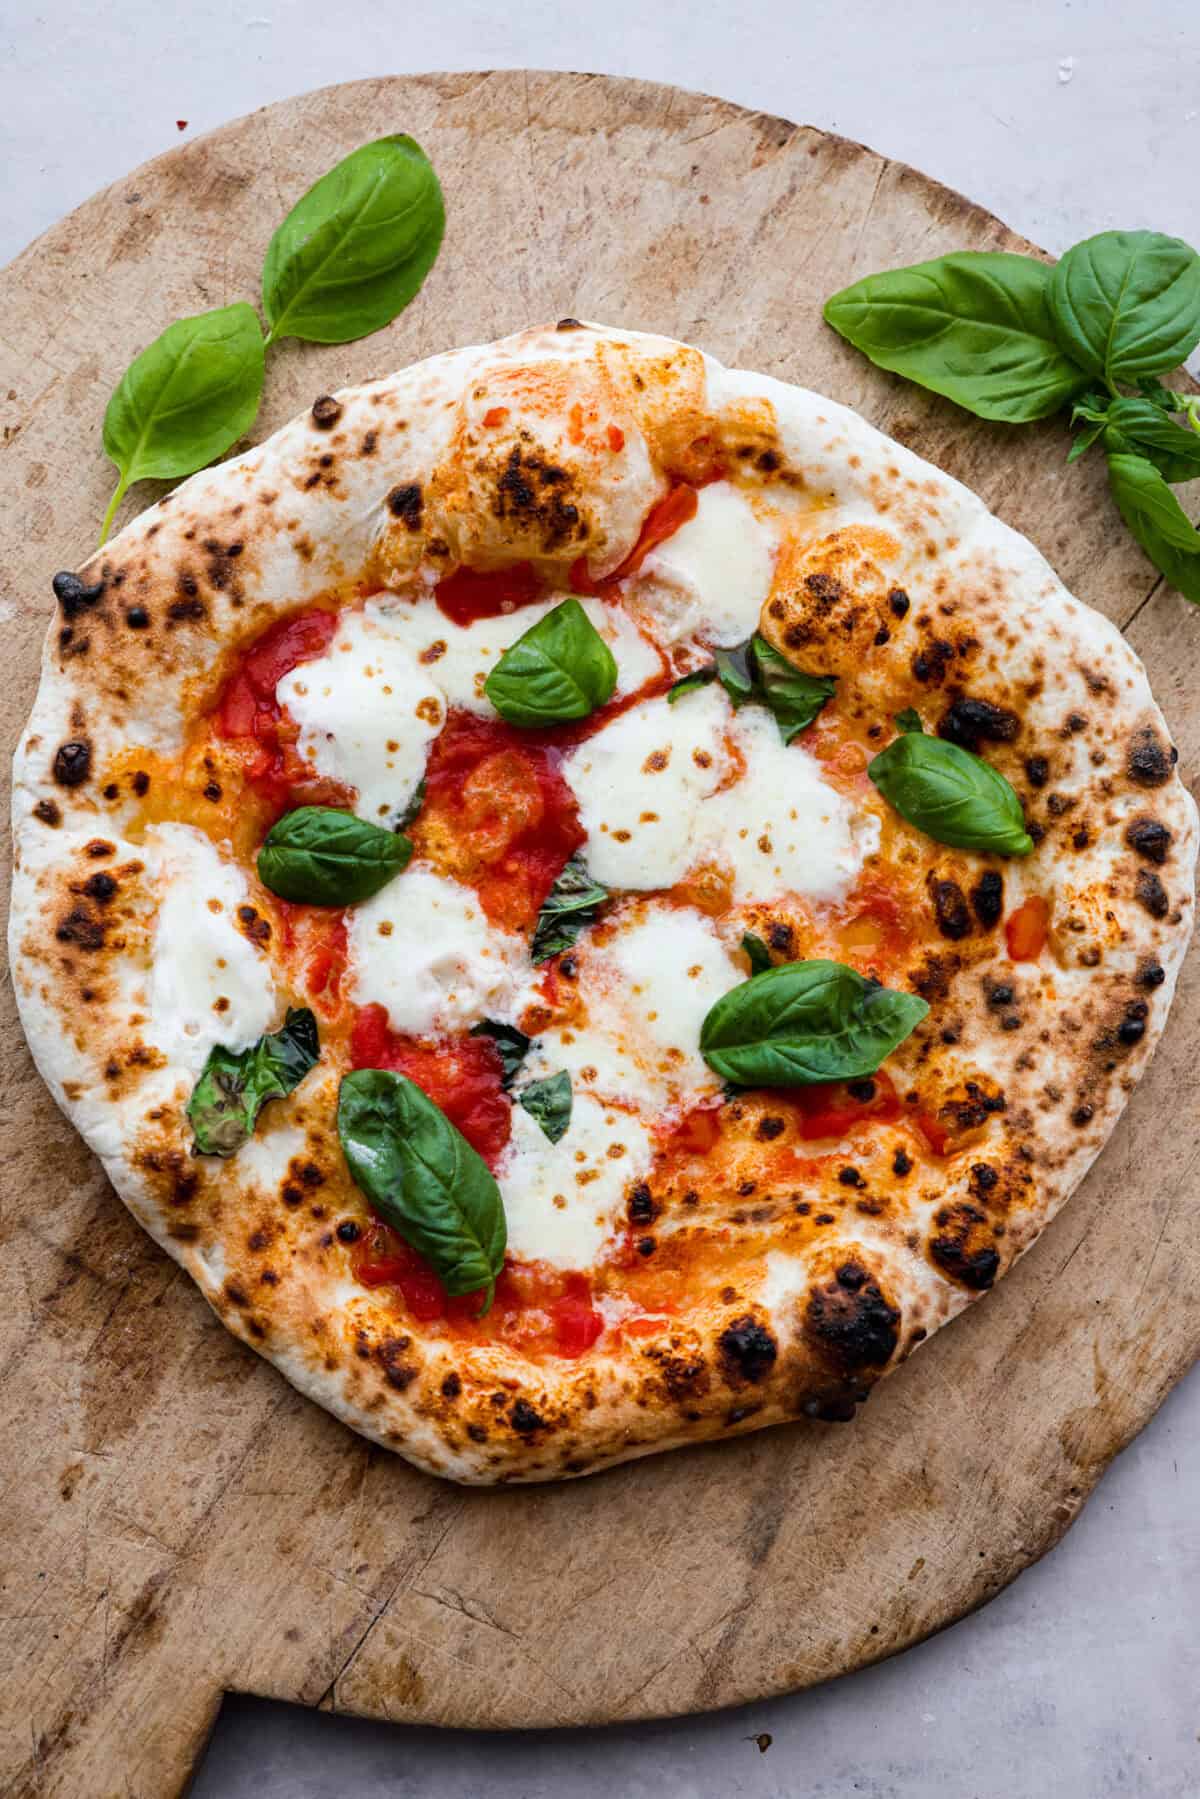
569,325
1149,763
451,1386
82,928
1037,770
852,1325
1151,974
747,1350
72,763
73,595
901,1162
100,886
987,898
641,1208
899,602
137,618
929,665
49,812
972,722
1151,893
406,503
326,412
529,490
397,1372
525,1418
1148,838
781,937
950,909
973,1268
1132,1027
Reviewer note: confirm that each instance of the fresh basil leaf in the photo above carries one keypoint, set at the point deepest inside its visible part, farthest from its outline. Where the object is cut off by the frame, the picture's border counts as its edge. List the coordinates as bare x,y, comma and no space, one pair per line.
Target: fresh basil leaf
234,1085
413,808
793,697
1156,519
759,954
1165,398
909,720
549,1103
974,326
571,905
951,795
354,251
1127,303
321,856
561,668
185,399
1137,426
699,677
805,1022
511,1044
1085,440
735,671
423,1177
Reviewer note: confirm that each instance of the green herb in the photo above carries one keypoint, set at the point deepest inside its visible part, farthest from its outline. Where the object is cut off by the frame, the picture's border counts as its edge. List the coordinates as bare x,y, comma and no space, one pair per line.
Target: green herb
759,954
423,1177
512,1046
321,856
549,1103
805,1022
412,811
975,326
185,399
734,669
754,673
699,677
571,905
235,1084
909,720
1009,338
951,795
561,668
354,251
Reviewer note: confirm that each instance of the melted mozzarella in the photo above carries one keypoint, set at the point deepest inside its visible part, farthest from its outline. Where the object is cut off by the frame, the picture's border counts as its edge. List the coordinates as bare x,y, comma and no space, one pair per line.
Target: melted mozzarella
562,1200
208,982
459,658
665,788
710,577
367,712
423,949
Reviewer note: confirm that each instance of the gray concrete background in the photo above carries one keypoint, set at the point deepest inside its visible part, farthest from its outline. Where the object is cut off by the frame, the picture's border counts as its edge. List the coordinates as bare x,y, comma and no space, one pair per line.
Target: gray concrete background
1082,1681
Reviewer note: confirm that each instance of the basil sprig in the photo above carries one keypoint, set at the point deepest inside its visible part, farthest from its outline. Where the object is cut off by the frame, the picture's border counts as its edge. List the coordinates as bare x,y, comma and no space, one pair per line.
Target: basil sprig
953,796
548,1103
572,904
322,856
1008,337
423,1177
755,673
560,669
235,1084
347,259
758,953
805,1022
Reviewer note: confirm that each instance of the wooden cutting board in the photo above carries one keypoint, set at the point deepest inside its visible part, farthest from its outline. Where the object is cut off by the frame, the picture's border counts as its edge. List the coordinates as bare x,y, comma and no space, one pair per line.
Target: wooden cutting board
177,1521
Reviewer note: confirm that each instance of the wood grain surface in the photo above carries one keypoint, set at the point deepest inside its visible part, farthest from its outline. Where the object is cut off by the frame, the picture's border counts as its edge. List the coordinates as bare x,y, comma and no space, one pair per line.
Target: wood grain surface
177,1520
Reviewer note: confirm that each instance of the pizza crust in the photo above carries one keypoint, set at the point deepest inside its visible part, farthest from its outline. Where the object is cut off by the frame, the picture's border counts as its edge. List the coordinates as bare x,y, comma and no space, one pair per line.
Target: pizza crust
405,480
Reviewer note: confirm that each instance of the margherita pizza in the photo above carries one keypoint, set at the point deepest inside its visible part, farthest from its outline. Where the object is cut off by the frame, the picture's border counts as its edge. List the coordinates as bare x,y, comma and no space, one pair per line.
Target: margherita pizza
590,899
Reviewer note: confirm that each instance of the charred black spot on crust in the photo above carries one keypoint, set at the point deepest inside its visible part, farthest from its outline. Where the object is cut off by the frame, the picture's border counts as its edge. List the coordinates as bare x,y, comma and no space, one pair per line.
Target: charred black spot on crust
999,995
899,602
901,1162
770,1128
1083,1114
952,1251
72,763
140,782
932,979
74,595
188,607
369,444
1149,763
850,1177
975,1108
930,664
477,1433
685,1377
1151,974
1074,723
525,1418
950,909
100,886
781,937
569,325
854,1327
407,504
826,590
1132,1027
49,812
253,924
1151,894
852,1277
529,489
1148,838
767,461
833,1408
987,898
137,618
348,1231
983,1177
326,412
747,1350
1037,770
82,928
641,1208
451,1386
396,1371
971,722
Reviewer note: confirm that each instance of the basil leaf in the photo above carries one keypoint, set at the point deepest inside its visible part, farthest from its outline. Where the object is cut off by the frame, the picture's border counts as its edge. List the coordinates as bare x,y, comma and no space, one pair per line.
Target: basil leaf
909,720
571,905
321,856
234,1085
805,1022
561,668
759,954
951,795
1154,516
1127,303
185,399
735,671
423,1177
1085,440
549,1103
1137,426
354,251
792,696
974,326
512,1045
699,677
1165,398
413,808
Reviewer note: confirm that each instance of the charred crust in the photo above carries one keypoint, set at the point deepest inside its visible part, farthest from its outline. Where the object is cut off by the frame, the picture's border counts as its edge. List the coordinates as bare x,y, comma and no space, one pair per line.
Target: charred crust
73,595
987,898
526,1419
685,1377
853,1326
898,602
781,937
569,325
929,665
833,1407
407,504
1037,770
533,491
747,1351
49,812
82,928
1149,763
451,1386
72,762
970,722
950,909
326,411
100,887
398,1372
137,618
1150,894
1148,839
641,1208
188,606
902,1162
1151,973
955,1251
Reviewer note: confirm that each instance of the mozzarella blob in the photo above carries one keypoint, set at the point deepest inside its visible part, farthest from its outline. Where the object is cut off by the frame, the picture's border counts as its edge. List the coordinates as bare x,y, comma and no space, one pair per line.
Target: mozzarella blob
563,1200
710,578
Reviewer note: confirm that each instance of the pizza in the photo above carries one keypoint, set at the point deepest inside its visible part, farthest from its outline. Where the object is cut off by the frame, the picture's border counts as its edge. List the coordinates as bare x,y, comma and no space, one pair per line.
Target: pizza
590,899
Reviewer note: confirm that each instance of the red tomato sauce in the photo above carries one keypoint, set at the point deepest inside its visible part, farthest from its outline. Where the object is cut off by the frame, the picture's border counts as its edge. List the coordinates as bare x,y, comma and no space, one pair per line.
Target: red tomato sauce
664,518
461,1074
248,708
315,938
1025,932
471,593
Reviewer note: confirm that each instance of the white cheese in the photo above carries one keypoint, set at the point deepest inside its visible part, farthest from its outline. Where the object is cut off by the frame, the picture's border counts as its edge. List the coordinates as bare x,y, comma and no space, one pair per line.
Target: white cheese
710,578
423,948
367,712
208,982
562,1200
459,658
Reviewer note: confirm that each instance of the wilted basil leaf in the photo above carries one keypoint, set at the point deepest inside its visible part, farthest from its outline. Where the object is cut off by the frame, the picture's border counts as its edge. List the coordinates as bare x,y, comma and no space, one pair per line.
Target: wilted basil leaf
549,1103
571,905
235,1084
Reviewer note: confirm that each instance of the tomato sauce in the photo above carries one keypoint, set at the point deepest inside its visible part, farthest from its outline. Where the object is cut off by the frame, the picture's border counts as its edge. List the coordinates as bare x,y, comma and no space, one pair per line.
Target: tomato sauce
1025,932
664,518
248,710
470,593
461,1074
